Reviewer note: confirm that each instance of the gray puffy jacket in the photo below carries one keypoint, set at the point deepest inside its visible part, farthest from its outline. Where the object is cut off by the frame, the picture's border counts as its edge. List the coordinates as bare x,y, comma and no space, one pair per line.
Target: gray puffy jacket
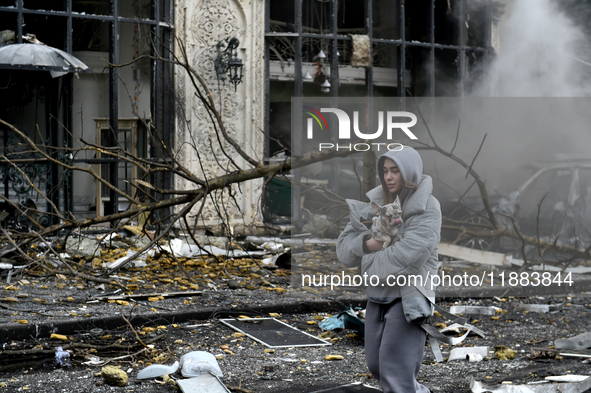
414,255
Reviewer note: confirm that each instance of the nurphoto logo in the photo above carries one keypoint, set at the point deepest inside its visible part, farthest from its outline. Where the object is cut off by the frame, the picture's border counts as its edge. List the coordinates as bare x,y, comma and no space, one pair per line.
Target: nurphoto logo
392,120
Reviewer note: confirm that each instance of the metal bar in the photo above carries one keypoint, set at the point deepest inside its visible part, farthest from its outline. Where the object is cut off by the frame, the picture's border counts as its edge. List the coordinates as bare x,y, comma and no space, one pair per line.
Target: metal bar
334,89
401,53
114,104
369,29
69,27
461,52
488,39
296,195
334,73
52,107
298,83
19,22
428,45
432,49
68,103
167,86
267,126
369,160
79,15
308,35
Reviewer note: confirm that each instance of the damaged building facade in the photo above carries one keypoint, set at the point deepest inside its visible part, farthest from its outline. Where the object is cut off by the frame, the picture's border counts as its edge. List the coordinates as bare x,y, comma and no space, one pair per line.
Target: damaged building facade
288,48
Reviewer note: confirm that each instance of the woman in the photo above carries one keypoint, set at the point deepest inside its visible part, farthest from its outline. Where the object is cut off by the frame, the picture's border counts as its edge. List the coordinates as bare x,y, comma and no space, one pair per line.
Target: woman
394,339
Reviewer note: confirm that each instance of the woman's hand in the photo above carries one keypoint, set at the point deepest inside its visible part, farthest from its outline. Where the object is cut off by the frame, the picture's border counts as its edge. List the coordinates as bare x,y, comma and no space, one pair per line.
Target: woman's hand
373,245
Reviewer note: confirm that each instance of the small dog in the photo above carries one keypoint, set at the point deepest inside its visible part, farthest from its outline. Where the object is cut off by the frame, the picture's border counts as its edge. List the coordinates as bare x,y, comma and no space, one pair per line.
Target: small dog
387,222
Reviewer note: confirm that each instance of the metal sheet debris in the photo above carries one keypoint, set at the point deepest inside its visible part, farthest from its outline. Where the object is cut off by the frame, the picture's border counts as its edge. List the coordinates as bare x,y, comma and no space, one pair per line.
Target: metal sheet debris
273,333
541,308
356,387
567,378
582,341
475,256
463,352
578,387
479,310
456,328
551,352
205,383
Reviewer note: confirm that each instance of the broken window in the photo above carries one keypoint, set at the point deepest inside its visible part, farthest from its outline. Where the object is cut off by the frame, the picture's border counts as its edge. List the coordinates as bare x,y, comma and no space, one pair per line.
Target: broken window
369,48
56,111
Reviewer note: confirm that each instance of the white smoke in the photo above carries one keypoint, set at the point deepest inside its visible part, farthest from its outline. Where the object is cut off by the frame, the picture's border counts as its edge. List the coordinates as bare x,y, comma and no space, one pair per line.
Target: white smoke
540,53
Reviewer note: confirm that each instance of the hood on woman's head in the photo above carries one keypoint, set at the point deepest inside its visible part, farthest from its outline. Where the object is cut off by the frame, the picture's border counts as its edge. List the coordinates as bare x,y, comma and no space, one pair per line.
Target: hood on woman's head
409,163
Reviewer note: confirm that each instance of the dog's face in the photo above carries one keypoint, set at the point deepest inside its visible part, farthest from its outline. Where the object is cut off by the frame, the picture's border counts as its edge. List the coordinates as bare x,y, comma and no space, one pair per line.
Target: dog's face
390,214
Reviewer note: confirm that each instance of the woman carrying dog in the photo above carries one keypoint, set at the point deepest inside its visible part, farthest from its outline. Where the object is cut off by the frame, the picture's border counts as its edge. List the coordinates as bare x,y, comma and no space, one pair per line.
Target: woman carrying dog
394,339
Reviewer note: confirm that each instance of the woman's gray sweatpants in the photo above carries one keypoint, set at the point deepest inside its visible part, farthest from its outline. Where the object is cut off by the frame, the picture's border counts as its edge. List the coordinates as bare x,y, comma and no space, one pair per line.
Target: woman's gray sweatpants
393,348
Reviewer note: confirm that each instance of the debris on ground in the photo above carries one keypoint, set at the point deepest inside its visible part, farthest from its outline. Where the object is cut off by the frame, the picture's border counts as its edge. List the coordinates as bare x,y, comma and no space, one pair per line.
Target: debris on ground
209,383
475,310
541,308
504,353
195,363
157,370
347,319
273,333
582,341
114,376
62,357
534,387
464,353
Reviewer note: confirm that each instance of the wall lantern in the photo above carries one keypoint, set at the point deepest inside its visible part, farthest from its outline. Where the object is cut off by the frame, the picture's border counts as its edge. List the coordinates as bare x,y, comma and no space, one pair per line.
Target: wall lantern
228,62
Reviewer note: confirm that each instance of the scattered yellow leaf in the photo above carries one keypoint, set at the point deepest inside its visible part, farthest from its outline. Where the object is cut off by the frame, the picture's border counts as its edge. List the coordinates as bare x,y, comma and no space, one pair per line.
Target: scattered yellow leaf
56,336
334,357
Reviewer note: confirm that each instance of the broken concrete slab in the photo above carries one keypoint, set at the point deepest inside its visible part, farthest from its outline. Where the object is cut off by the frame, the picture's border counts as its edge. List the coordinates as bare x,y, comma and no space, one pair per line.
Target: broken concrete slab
205,383
578,387
541,308
475,256
582,341
478,310
84,247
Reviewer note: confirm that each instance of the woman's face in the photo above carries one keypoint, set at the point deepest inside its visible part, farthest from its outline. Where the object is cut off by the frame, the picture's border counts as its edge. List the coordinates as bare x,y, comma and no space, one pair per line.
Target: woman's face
392,176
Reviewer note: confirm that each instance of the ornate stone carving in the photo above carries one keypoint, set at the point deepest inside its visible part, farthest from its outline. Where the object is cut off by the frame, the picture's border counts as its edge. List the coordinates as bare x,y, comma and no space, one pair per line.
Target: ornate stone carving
212,21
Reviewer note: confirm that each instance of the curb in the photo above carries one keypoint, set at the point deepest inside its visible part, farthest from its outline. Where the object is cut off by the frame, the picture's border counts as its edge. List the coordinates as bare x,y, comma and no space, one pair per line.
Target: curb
16,331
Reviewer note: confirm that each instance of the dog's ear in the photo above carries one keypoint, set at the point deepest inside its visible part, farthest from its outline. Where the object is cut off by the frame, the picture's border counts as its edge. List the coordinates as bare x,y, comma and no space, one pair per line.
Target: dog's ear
376,207
397,200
